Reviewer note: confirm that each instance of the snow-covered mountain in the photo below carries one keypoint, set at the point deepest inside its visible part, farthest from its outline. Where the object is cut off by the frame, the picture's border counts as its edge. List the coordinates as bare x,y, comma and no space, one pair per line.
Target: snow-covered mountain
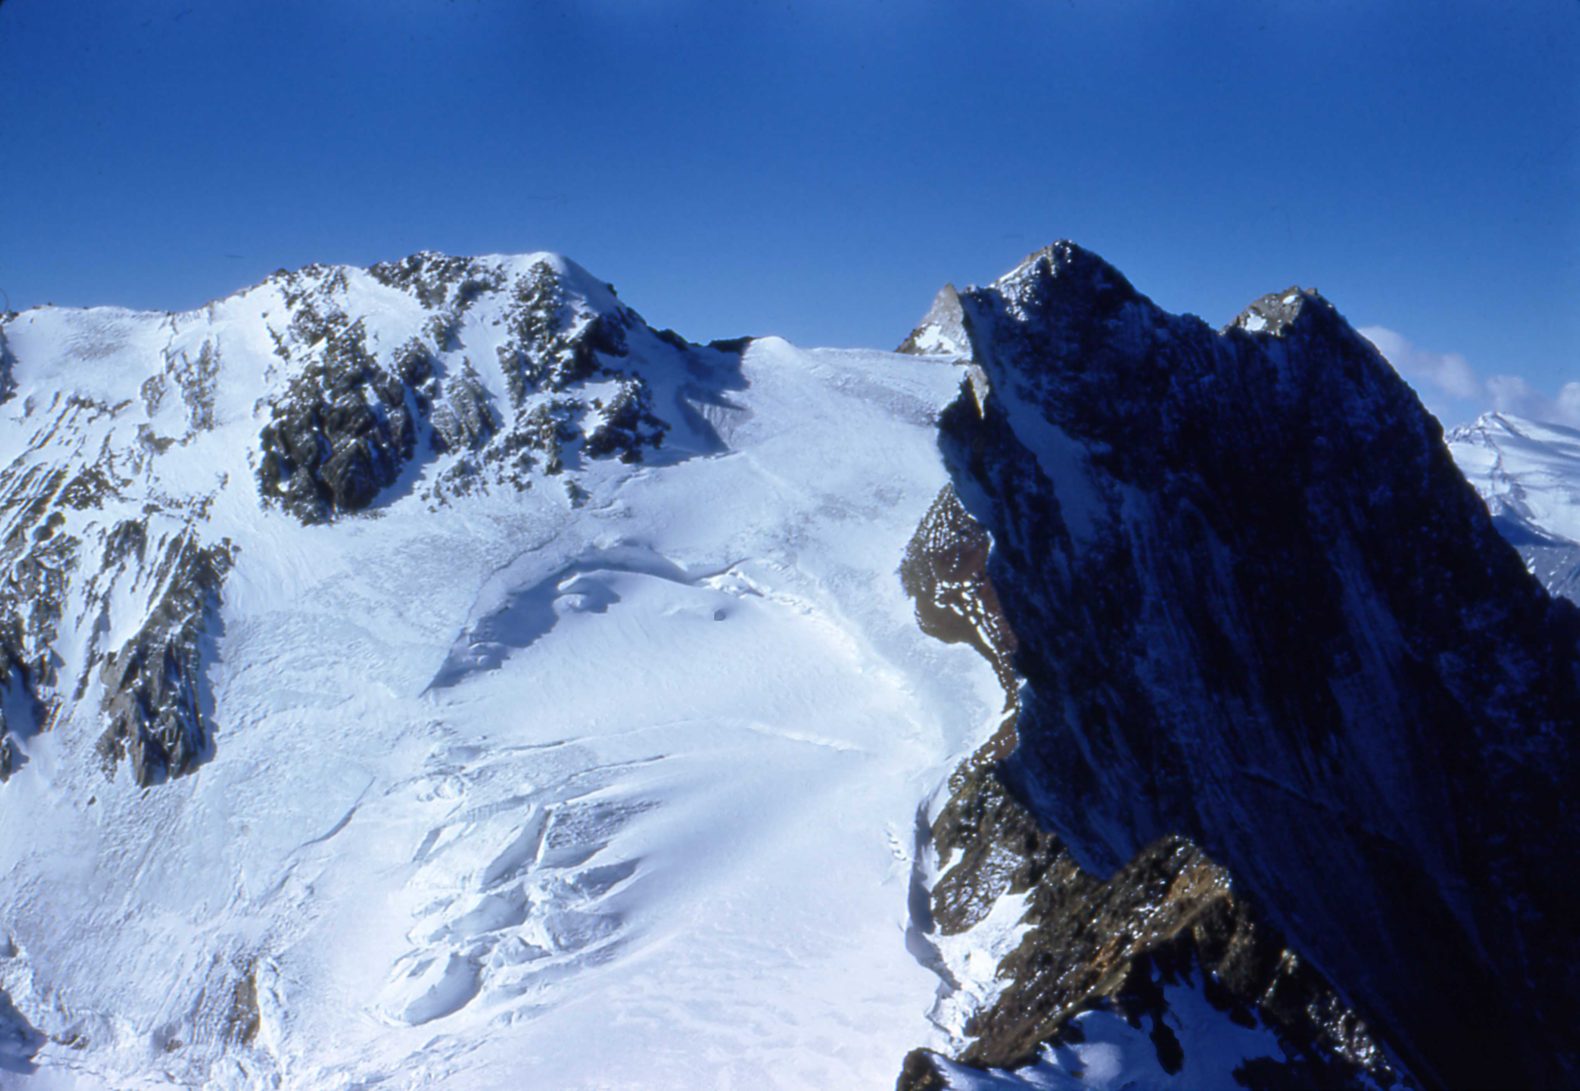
1529,474
434,676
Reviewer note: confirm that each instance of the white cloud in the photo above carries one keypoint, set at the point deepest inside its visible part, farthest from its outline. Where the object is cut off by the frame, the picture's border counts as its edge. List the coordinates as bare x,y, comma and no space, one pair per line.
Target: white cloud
1568,403
1445,373
1512,394
1451,388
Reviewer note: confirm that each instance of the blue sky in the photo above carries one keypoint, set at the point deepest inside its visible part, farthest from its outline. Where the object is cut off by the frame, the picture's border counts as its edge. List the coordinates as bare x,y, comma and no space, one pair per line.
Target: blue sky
819,169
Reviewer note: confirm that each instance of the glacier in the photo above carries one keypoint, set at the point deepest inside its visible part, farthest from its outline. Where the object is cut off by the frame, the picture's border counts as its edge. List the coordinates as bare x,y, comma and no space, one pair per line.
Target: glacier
1529,474
610,773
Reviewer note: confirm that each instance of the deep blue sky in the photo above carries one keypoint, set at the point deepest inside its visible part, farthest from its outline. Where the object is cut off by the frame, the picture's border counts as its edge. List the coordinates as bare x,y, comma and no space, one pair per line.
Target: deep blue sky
819,169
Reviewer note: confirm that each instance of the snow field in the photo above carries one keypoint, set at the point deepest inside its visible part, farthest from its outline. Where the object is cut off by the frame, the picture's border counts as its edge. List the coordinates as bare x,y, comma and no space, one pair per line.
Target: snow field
613,795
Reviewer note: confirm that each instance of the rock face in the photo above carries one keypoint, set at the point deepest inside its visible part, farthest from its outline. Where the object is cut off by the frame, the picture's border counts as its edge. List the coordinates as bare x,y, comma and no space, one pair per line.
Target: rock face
37,558
341,431
1258,609
156,700
945,573
1529,474
350,420
1083,943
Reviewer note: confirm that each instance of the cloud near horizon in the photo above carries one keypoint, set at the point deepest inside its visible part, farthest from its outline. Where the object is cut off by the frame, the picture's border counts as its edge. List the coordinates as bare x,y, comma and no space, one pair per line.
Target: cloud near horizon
1452,390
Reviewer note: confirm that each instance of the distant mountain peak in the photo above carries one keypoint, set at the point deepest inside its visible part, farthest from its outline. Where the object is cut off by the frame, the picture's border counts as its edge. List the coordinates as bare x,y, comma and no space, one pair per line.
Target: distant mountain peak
1528,472
1068,261
1062,276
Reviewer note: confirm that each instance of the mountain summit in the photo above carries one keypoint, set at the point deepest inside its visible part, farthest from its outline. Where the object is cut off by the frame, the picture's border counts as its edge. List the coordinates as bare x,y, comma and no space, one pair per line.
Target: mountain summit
1255,605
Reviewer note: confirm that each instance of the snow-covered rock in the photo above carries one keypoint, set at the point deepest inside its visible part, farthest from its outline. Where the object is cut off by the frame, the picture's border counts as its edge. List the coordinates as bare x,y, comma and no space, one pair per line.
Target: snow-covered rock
1529,474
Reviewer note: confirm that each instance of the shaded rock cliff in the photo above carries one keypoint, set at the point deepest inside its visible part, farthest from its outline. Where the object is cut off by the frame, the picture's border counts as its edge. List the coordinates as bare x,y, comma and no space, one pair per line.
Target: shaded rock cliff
1168,918
1258,609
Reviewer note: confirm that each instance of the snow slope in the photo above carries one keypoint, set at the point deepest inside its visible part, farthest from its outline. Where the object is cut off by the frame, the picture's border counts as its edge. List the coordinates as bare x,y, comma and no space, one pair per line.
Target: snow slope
606,778
1529,474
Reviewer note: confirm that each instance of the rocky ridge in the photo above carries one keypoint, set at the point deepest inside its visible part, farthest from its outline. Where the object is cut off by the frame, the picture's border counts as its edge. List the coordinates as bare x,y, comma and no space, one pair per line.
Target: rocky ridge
1084,943
1258,609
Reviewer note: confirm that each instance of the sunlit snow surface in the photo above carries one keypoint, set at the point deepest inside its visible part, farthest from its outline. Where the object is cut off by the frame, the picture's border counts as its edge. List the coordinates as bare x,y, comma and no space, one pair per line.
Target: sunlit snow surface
1528,472
513,793
1524,467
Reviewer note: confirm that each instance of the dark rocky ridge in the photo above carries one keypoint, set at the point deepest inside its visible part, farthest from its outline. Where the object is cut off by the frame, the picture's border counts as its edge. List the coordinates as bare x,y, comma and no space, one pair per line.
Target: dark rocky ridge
1258,608
1169,915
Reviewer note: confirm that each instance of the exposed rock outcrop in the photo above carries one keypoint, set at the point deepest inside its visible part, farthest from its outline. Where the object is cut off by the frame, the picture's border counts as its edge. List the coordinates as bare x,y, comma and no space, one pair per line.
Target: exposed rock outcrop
37,557
945,573
342,429
156,699
352,417
7,364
